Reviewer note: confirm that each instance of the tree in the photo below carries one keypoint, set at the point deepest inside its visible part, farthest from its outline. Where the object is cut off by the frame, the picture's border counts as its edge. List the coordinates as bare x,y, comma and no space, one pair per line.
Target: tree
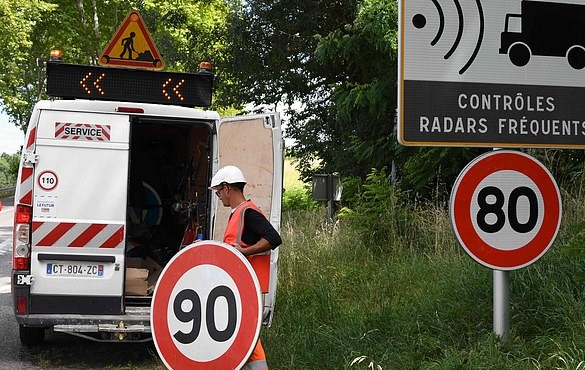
185,34
339,61
8,169
363,56
275,64
344,72
19,75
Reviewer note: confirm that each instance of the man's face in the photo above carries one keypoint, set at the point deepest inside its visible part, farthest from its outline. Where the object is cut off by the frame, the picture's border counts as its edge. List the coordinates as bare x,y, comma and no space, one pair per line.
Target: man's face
222,192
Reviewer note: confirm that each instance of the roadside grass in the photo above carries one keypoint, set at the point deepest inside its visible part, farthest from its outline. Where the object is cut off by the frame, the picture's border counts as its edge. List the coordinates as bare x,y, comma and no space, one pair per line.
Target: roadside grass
291,176
407,299
344,303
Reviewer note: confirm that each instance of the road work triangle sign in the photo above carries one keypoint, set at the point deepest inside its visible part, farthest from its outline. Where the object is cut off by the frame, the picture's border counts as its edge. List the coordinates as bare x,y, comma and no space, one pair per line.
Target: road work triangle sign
132,46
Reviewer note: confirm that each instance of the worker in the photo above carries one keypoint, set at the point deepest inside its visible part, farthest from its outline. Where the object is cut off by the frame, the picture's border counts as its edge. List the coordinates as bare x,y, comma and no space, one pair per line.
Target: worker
247,230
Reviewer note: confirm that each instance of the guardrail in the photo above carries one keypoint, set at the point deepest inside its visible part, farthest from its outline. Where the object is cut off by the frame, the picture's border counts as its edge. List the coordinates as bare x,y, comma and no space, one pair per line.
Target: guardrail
7,192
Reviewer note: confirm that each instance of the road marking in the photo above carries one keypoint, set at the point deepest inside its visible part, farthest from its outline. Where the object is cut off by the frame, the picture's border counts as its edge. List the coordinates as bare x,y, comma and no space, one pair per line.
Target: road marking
5,247
4,285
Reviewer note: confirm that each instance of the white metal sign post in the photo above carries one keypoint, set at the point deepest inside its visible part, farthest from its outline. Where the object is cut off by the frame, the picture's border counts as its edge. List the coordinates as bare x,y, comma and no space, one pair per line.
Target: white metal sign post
206,308
505,210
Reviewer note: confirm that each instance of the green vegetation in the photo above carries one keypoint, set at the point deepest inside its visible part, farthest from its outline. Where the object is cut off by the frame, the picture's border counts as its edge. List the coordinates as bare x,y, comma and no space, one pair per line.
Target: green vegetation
8,170
406,297
296,195
398,303
414,300
386,286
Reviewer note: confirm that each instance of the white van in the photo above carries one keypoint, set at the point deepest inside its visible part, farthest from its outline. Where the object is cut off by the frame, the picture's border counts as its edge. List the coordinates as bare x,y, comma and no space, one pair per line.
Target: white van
104,183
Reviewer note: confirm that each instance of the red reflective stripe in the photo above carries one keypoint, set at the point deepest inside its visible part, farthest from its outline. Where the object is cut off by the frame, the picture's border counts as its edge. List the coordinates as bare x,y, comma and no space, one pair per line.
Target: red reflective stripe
36,225
27,198
31,137
60,131
87,235
115,239
56,234
26,173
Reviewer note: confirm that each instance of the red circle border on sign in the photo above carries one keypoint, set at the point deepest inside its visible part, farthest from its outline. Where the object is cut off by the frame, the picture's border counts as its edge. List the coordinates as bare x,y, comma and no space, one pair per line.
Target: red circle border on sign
463,225
224,258
41,185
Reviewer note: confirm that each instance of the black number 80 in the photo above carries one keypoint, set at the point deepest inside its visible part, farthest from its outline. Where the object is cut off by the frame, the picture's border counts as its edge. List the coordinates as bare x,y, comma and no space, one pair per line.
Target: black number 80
496,208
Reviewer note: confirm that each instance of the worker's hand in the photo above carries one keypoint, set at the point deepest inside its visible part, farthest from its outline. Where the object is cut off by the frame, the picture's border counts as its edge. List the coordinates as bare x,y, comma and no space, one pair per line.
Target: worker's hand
239,248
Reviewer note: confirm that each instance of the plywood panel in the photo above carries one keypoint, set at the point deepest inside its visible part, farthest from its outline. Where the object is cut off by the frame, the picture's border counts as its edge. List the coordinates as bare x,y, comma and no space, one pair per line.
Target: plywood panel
247,145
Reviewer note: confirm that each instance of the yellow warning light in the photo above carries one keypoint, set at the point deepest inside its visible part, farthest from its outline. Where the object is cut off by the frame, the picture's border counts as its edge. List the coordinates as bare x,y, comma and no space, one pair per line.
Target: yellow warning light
205,66
56,56
164,87
83,84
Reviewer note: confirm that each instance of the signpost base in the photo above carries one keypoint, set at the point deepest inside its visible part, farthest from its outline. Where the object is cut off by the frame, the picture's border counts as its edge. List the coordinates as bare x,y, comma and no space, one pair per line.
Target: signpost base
502,304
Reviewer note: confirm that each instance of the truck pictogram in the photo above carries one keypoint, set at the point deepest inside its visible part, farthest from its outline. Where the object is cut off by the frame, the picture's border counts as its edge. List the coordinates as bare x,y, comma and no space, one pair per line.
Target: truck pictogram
546,29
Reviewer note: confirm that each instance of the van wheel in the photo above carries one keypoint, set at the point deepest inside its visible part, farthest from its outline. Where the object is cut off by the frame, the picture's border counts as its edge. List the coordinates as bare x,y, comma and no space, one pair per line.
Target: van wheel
31,336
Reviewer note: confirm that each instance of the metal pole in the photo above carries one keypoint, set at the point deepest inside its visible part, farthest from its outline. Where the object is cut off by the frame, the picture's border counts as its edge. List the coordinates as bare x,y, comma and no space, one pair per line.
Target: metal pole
329,199
502,304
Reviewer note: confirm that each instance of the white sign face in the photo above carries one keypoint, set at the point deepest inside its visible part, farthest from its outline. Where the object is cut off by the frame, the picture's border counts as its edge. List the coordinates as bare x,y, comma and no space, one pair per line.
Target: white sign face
505,210
45,206
206,308
519,197
205,319
492,73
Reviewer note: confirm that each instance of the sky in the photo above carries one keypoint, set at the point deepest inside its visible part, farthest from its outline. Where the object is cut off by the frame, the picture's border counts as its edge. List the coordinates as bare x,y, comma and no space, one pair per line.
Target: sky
11,137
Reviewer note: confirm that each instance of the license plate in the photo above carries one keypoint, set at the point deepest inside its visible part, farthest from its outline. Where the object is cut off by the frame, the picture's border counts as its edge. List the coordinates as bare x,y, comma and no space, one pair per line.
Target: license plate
75,269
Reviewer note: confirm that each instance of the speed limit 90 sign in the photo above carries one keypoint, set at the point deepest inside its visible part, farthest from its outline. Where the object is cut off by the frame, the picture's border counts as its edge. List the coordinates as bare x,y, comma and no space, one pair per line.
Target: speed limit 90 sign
505,209
206,308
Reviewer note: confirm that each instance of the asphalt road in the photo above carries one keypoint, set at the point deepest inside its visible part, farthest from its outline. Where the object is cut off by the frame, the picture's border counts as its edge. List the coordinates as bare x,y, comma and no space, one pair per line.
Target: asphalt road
60,351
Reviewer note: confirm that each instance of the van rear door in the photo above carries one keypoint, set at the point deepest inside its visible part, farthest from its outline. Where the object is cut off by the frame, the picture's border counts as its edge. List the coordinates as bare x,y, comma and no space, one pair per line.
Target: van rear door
79,213
254,144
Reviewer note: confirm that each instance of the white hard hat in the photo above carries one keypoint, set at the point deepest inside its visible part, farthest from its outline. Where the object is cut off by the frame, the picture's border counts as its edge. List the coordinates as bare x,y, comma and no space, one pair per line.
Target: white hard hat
227,174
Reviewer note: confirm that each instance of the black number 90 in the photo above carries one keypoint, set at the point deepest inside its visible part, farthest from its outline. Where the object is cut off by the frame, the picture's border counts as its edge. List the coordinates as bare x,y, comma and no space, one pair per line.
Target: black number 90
194,314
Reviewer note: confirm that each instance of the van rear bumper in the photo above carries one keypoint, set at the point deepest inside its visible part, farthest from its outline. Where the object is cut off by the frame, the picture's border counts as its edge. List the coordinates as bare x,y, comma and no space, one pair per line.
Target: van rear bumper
135,320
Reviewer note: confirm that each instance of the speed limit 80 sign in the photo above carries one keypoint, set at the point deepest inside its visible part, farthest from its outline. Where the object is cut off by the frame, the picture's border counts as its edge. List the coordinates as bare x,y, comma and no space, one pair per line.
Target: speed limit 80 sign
206,308
505,209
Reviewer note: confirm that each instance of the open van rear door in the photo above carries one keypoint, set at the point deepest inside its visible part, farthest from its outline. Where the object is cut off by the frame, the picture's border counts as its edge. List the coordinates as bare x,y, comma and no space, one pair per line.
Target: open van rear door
254,144
79,215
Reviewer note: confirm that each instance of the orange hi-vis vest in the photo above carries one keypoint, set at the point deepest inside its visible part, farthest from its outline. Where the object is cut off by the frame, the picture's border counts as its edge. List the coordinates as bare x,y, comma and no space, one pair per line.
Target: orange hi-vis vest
233,234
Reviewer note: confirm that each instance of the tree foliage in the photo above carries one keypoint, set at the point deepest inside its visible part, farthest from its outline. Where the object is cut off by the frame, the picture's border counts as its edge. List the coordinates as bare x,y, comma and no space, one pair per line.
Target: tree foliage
332,65
275,63
342,70
364,54
185,33
8,169
19,77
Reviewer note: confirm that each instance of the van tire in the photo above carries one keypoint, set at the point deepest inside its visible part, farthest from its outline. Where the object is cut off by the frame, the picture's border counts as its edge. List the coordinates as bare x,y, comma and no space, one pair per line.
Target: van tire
31,336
